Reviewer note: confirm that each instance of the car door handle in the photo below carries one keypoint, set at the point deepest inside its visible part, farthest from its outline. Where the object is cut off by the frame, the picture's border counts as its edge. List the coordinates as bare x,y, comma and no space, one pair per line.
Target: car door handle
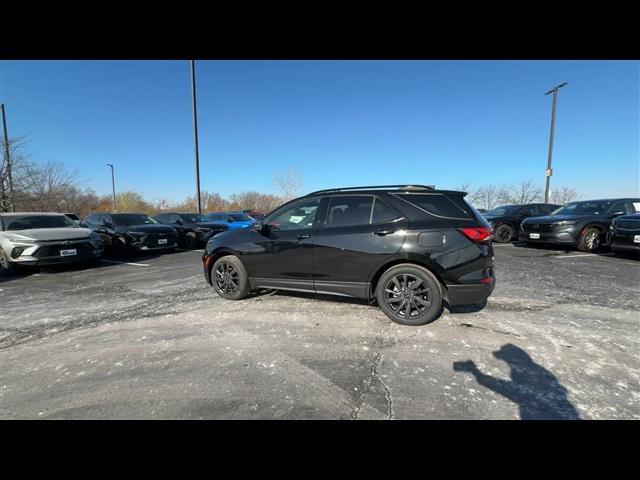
382,232
302,236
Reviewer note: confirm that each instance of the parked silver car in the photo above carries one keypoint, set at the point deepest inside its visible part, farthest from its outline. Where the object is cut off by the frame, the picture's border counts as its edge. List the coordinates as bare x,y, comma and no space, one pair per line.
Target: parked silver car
43,239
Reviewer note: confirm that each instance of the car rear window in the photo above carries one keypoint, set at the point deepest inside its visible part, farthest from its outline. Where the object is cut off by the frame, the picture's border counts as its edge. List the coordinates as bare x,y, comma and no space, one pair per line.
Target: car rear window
435,204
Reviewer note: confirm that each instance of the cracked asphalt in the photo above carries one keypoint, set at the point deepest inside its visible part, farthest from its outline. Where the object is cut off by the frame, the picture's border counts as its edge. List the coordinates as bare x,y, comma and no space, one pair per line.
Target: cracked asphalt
558,339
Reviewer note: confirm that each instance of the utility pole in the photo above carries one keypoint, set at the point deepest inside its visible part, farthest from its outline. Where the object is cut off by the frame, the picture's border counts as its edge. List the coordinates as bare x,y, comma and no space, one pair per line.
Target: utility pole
549,170
195,132
7,157
113,187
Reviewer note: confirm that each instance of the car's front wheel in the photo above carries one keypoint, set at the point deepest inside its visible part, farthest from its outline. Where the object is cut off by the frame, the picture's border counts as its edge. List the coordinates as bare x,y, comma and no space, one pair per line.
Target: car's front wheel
590,240
6,267
409,294
229,278
504,233
190,240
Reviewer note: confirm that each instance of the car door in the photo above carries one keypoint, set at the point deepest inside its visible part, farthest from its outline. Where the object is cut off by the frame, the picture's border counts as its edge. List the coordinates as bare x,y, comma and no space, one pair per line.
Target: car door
357,233
281,252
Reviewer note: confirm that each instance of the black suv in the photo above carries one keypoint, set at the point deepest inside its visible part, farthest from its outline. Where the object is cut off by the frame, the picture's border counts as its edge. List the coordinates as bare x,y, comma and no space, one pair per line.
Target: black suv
192,228
128,232
506,219
411,248
624,234
583,224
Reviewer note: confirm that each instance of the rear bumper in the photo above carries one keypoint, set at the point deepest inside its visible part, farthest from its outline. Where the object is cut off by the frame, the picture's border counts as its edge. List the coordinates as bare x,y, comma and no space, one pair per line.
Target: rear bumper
470,294
561,237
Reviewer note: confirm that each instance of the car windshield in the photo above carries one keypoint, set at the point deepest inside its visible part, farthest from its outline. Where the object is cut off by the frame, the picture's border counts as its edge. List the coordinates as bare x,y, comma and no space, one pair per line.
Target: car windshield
124,219
583,208
502,211
27,222
195,217
240,217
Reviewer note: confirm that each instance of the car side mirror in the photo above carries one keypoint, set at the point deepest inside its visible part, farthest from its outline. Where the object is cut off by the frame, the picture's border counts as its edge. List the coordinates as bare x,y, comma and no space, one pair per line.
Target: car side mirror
177,222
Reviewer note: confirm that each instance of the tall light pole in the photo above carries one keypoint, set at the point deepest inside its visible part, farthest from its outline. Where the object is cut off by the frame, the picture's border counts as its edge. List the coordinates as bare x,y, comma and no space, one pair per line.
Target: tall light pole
113,187
7,158
549,170
195,132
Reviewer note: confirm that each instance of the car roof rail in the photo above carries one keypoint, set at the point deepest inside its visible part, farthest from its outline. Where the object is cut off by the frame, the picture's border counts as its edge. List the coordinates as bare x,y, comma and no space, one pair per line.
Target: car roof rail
376,187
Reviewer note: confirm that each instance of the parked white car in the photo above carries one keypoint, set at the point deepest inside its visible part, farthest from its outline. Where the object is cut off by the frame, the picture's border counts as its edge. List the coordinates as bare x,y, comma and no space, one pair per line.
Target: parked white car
37,239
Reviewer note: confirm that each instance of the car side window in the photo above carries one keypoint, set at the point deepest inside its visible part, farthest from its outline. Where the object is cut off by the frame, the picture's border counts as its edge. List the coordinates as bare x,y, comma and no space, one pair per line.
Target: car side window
619,207
529,211
382,212
349,210
299,216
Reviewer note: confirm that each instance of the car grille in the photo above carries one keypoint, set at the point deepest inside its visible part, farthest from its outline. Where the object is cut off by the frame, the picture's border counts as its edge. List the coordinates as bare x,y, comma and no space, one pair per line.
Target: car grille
84,249
628,224
538,227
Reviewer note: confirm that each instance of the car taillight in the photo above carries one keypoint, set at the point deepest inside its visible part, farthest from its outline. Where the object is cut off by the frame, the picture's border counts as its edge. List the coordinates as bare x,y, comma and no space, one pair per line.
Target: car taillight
476,234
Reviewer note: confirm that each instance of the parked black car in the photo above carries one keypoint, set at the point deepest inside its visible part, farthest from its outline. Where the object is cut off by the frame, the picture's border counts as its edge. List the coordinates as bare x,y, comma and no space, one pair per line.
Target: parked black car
505,219
411,248
624,234
583,224
131,232
193,228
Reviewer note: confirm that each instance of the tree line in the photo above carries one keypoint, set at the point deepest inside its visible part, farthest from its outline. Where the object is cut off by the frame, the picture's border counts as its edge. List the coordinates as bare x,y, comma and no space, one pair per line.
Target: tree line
50,187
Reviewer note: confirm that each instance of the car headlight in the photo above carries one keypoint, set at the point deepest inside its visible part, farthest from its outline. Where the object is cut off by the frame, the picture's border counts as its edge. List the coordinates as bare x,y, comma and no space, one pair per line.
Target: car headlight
566,223
20,240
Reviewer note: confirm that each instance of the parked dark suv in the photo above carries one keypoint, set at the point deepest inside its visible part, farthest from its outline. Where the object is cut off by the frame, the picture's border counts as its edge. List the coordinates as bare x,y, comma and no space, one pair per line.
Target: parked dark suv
124,233
624,234
581,224
411,248
505,220
192,228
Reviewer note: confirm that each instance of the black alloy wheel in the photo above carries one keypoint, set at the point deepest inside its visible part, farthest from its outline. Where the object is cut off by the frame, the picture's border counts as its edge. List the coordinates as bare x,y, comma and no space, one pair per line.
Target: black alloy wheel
409,294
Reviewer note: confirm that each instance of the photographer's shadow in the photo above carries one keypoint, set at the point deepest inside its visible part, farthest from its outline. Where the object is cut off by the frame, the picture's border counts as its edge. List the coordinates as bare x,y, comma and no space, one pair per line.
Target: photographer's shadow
535,389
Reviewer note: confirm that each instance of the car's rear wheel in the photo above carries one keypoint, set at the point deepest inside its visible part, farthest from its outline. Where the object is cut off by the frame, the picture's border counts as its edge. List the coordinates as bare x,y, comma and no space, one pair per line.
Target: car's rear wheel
229,278
590,240
504,233
409,294
190,240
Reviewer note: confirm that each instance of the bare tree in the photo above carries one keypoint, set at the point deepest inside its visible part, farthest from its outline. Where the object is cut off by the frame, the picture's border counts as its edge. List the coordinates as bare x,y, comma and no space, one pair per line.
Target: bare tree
562,195
256,201
288,184
486,197
521,193
10,172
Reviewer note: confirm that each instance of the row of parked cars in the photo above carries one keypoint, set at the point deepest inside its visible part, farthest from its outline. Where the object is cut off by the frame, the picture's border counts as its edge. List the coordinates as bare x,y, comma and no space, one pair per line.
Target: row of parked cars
39,239
51,238
586,225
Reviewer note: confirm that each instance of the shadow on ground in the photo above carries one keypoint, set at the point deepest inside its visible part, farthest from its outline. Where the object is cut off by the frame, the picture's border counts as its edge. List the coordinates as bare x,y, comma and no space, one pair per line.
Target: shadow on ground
536,391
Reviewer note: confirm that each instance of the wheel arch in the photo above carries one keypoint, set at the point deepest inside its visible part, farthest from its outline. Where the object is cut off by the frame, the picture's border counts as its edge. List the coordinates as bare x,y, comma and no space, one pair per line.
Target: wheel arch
375,277
215,255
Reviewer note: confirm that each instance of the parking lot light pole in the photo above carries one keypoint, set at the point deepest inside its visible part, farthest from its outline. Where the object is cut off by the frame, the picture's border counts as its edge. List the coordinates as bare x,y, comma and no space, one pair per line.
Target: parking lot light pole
113,187
195,132
7,158
549,170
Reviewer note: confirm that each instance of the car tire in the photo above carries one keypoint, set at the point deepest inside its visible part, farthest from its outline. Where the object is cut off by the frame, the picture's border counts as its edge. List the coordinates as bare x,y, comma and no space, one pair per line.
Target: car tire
7,268
229,278
396,287
504,233
590,240
119,247
190,240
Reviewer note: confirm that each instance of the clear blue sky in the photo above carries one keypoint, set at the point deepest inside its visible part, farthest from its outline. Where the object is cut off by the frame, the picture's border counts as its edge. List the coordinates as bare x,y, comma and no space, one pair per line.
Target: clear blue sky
338,122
